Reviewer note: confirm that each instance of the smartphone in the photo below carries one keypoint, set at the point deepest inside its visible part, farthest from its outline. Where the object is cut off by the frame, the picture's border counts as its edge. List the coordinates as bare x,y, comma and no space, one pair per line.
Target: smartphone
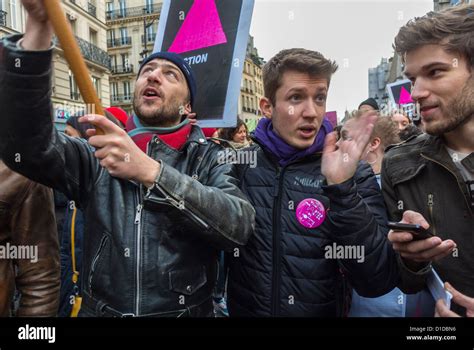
418,231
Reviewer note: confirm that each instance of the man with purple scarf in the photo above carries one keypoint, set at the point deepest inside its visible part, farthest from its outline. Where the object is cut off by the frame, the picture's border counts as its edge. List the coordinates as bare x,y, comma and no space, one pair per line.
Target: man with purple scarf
320,216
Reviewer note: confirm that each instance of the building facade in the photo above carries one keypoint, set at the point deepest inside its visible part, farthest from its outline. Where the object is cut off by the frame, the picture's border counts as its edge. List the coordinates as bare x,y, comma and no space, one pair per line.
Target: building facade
388,71
87,20
251,89
378,81
131,32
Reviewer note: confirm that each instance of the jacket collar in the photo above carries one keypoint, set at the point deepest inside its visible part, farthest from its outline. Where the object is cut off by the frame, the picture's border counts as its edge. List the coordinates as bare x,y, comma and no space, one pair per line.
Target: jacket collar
196,136
435,150
274,160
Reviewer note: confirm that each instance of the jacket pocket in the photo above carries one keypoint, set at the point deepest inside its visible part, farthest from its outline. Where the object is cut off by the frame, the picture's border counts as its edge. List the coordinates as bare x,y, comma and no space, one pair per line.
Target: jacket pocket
187,281
406,172
96,260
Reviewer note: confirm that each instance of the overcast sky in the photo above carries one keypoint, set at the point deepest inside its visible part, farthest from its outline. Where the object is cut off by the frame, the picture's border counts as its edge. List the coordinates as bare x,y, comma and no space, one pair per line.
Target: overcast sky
356,34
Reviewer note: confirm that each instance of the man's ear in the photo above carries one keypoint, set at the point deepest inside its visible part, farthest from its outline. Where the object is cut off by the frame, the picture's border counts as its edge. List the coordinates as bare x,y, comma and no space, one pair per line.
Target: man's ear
187,108
266,107
375,143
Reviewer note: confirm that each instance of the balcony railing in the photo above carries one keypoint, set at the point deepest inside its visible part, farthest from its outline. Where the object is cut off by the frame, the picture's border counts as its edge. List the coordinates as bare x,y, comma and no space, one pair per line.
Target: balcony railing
249,110
3,18
76,96
119,42
90,52
127,98
92,9
132,12
122,69
149,38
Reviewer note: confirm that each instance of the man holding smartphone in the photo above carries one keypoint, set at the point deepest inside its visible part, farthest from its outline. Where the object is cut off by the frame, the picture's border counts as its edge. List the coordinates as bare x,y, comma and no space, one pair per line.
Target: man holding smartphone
429,180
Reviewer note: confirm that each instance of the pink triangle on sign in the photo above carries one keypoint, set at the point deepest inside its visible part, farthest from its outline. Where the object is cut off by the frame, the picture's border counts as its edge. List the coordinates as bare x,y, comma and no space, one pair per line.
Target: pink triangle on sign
202,28
405,97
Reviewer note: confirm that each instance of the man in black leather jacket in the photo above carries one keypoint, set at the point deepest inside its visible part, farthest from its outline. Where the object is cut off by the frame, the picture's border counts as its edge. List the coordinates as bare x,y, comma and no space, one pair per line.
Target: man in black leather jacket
429,180
154,220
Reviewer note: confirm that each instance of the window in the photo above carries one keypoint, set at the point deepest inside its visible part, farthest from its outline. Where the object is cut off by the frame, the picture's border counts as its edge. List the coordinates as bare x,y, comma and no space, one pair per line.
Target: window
113,62
123,8
111,34
126,91
93,36
149,33
96,82
123,35
72,23
13,20
73,89
125,61
114,89
149,6
109,12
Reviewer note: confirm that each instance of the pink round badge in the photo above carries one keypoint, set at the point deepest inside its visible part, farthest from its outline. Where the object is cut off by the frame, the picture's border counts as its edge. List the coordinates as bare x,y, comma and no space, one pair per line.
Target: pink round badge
310,213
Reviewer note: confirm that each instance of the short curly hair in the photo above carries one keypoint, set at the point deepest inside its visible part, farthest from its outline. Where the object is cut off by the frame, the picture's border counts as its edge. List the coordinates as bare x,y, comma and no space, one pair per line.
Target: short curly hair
301,60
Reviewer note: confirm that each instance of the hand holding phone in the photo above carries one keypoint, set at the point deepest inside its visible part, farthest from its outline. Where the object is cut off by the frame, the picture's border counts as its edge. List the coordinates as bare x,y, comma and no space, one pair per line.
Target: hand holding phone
418,231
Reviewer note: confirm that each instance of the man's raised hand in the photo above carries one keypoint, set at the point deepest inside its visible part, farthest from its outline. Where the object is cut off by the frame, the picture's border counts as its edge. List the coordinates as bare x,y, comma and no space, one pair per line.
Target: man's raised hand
118,153
340,158
39,31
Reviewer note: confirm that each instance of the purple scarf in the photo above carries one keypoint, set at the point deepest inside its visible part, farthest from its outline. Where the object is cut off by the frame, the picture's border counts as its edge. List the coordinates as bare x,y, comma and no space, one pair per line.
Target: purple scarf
284,152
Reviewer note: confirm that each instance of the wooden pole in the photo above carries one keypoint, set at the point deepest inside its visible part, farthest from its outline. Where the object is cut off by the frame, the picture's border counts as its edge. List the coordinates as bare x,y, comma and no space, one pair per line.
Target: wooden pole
73,55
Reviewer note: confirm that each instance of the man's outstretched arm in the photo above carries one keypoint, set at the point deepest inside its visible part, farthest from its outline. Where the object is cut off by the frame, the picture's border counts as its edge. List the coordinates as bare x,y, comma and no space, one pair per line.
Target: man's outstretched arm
29,143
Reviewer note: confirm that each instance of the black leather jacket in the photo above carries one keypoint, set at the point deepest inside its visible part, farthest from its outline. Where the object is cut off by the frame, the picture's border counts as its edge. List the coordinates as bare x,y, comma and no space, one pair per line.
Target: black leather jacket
147,252
420,175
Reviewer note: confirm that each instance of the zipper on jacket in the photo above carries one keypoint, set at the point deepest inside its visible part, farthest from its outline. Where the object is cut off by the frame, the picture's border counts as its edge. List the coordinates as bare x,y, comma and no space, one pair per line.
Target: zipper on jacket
460,188
181,207
137,222
276,273
138,218
187,212
430,210
94,262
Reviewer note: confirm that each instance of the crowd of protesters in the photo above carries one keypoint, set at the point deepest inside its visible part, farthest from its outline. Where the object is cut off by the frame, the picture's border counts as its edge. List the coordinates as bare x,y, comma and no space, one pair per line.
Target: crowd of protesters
151,222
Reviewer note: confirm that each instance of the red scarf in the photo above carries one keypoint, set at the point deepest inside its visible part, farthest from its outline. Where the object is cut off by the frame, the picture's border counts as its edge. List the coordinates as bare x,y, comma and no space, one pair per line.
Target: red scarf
175,139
